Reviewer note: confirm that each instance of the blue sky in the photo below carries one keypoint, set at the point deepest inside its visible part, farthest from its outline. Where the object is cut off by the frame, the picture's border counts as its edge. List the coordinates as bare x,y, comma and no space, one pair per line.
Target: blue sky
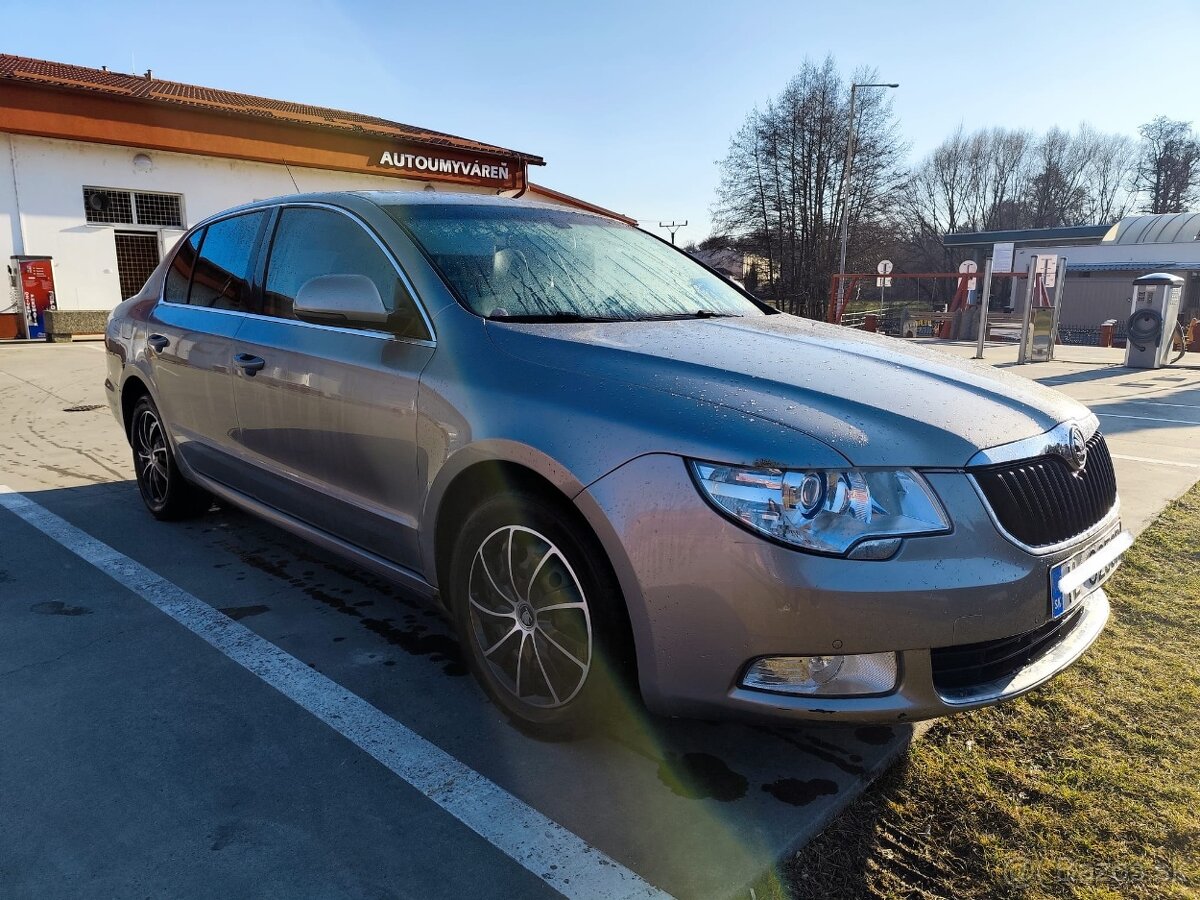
631,103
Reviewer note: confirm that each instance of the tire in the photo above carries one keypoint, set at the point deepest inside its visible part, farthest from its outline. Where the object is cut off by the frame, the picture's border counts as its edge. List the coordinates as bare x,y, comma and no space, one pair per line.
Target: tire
167,494
548,637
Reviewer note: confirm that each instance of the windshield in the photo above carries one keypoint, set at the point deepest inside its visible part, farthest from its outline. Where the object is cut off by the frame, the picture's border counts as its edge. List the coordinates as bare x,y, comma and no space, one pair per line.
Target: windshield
552,264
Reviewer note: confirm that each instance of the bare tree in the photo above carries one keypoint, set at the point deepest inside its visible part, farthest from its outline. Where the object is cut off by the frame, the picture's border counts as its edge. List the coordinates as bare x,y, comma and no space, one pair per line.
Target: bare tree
780,191
1108,175
1057,194
1168,168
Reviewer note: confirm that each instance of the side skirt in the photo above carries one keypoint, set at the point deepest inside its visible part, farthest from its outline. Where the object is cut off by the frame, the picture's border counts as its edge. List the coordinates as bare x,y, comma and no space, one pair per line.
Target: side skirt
402,576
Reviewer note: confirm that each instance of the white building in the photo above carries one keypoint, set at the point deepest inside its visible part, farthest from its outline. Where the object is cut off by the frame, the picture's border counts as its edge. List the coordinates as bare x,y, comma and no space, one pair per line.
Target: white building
1100,276
1102,261
103,171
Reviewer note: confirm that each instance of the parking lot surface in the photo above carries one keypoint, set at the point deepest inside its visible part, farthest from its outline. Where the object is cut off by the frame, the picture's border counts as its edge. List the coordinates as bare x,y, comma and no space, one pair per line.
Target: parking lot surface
217,708
156,754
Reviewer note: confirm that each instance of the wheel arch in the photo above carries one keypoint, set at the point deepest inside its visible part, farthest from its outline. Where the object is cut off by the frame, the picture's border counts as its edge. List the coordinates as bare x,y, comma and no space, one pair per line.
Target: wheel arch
485,478
452,500
133,389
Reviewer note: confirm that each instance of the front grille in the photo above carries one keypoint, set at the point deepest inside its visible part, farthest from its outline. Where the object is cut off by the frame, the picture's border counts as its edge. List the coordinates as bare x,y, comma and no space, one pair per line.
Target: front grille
971,665
1042,502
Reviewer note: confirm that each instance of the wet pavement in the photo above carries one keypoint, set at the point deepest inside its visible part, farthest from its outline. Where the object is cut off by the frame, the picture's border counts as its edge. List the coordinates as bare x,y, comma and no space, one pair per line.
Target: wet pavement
137,759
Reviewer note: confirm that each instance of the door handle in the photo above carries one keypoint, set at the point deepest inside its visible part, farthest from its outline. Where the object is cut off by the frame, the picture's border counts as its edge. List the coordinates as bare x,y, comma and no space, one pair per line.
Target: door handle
158,342
249,363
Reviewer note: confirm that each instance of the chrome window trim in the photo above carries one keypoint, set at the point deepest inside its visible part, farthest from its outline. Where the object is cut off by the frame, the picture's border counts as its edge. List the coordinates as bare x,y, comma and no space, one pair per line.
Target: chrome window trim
365,332
431,341
1055,442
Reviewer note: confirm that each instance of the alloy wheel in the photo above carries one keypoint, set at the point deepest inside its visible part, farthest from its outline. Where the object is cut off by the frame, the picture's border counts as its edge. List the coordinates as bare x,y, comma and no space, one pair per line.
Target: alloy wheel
151,457
529,617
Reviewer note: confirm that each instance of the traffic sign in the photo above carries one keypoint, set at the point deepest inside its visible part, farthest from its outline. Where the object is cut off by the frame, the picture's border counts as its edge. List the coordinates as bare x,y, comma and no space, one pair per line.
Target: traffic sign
969,266
884,267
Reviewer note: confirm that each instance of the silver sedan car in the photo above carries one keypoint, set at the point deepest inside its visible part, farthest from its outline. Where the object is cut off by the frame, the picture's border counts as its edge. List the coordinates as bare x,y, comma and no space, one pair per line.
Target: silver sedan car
619,473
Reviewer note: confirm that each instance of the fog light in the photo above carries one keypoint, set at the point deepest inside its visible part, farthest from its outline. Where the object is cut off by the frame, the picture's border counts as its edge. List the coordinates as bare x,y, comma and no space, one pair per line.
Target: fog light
824,676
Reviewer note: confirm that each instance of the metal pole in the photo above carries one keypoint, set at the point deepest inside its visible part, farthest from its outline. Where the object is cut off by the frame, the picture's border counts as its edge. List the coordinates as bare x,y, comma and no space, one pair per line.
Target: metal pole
984,300
846,199
846,188
1025,322
1060,279
673,226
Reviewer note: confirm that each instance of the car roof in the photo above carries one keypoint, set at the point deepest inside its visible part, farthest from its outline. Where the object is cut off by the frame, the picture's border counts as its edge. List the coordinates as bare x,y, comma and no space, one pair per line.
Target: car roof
409,198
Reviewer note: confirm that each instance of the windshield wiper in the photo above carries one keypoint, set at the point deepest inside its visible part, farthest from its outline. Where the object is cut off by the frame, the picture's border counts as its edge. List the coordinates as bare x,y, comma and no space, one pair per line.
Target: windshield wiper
698,314
553,317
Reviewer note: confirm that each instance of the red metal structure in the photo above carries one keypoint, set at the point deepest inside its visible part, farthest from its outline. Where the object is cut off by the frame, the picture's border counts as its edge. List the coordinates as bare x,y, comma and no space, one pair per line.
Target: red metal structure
834,313
957,302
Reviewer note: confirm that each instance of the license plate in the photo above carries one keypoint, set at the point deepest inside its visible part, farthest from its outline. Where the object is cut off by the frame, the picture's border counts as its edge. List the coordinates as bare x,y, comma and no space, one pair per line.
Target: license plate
1073,579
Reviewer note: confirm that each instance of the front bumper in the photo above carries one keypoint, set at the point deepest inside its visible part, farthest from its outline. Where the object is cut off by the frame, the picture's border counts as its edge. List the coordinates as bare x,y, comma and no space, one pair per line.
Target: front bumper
706,597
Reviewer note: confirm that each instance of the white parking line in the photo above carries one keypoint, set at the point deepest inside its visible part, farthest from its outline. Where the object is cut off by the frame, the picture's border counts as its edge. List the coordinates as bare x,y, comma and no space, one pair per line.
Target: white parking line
1163,403
1148,419
1157,462
559,857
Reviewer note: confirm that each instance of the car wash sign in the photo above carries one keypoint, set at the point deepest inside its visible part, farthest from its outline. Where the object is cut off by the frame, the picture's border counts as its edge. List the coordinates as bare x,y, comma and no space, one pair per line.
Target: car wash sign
432,166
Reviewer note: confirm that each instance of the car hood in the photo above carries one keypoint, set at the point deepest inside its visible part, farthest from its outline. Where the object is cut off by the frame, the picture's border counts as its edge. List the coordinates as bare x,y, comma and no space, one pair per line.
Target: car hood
878,401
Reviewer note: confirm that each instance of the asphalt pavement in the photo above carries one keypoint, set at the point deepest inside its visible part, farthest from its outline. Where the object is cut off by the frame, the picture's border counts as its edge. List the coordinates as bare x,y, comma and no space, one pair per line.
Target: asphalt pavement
215,708
150,751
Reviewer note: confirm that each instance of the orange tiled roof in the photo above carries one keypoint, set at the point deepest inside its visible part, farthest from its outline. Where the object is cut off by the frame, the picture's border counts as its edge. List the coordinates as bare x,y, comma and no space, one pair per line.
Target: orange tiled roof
146,89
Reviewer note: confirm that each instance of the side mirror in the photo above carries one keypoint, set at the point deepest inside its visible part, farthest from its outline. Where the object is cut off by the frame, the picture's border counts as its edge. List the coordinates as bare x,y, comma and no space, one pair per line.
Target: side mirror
351,300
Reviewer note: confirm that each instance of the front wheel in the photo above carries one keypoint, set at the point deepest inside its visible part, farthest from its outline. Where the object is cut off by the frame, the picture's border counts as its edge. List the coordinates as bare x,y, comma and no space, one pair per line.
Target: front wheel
166,493
540,616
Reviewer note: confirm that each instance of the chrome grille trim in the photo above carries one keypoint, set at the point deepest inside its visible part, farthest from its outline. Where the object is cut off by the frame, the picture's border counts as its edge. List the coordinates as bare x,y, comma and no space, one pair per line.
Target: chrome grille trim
1042,506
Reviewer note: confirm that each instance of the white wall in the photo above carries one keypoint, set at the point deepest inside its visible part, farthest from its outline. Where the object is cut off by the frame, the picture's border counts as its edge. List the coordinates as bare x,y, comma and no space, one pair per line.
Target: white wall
51,174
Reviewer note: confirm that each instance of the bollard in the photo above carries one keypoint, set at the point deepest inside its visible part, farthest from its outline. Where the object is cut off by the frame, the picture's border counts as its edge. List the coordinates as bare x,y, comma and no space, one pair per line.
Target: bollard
1193,341
1106,333
870,322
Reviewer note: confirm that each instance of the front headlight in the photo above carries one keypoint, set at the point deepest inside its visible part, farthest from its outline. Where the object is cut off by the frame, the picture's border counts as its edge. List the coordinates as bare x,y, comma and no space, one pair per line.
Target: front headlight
825,510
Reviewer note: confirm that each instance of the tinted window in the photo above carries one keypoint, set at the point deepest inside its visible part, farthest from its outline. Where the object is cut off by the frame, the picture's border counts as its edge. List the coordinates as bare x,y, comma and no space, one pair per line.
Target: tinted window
313,242
179,275
222,274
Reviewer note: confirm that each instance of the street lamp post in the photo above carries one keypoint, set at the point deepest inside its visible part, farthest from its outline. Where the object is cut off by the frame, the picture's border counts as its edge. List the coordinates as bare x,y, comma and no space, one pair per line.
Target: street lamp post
846,188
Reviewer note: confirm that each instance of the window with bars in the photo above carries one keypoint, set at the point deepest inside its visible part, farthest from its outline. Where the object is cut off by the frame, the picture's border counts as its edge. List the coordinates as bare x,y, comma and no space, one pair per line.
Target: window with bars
137,257
108,206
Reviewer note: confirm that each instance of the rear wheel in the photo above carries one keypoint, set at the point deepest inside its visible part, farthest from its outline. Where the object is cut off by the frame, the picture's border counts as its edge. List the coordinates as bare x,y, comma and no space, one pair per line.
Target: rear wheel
166,493
540,617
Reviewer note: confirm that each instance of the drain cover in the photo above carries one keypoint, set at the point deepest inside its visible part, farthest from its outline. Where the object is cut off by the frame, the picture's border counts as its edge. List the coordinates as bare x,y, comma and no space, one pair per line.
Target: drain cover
88,408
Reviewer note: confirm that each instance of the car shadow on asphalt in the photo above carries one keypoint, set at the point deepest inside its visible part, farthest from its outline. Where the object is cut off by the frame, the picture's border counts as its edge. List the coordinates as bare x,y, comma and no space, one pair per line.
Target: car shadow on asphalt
696,807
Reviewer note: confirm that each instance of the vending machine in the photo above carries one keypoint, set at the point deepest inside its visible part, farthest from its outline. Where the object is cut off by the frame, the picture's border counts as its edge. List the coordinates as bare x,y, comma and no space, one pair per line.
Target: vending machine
35,284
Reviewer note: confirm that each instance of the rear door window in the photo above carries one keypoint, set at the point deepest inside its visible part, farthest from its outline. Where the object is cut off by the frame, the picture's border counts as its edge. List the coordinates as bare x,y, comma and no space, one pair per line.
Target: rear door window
221,279
179,275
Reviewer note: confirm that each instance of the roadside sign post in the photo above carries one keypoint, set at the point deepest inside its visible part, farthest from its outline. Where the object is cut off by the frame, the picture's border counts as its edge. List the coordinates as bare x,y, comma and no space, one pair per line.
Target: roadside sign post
884,269
969,267
984,301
